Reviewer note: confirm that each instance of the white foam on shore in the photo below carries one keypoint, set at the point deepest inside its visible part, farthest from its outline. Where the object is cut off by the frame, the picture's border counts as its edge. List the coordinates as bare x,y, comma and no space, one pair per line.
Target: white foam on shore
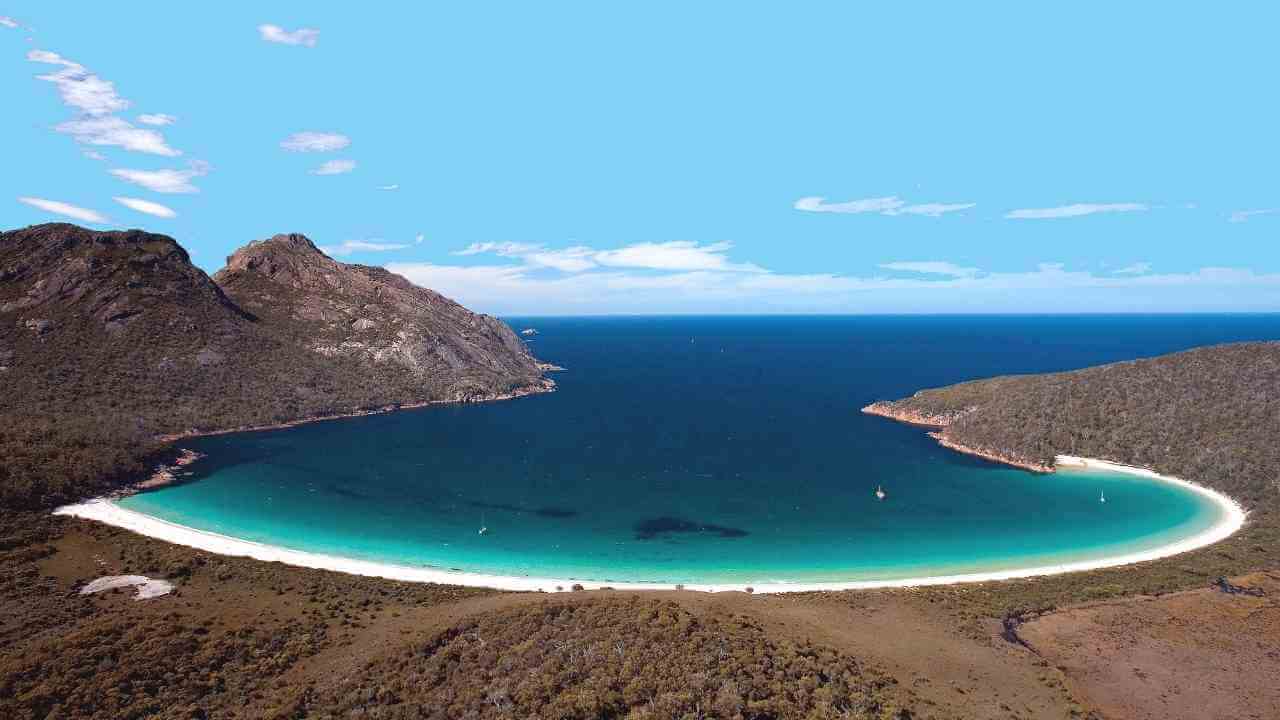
1231,518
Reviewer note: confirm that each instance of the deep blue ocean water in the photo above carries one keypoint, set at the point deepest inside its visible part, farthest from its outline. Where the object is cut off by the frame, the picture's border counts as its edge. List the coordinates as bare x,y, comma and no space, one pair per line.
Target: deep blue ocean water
707,449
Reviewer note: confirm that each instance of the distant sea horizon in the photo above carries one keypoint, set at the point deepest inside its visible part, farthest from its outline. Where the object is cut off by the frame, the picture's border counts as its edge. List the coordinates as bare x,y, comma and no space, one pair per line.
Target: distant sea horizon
696,448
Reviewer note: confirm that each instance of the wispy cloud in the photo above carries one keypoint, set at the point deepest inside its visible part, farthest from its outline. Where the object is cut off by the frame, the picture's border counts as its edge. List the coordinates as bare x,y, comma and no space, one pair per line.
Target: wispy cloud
1240,216
94,155
156,119
676,255
58,207
112,130
1076,210
334,167
521,287
891,205
165,181
8,22
96,101
417,239
311,141
348,247
389,187
1138,268
932,267
306,37
146,206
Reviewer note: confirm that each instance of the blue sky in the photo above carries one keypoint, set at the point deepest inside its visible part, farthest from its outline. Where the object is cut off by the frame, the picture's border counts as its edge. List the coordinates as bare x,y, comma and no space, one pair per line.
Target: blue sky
676,157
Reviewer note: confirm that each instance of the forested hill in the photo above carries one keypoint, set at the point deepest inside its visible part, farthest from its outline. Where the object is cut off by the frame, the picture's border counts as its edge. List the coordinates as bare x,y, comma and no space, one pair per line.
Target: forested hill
1211,414
108,339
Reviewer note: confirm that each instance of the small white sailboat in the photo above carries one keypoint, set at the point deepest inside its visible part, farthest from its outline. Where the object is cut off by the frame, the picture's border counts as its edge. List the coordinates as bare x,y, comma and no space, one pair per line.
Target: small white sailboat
880,493
1102,497
483,528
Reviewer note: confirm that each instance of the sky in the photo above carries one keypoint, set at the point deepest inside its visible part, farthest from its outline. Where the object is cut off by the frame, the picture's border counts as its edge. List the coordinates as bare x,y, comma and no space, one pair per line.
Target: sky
663,157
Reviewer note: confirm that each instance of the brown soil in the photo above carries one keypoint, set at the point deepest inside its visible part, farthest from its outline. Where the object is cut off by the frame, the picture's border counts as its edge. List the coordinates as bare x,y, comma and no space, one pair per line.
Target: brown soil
1197,655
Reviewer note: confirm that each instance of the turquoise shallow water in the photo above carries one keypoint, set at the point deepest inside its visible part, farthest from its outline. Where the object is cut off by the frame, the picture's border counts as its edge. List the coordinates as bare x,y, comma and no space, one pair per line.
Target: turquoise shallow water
705,450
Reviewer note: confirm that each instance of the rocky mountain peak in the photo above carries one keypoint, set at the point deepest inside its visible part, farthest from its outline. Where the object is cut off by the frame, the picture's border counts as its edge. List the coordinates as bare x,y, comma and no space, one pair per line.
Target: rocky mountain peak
57,274
288,258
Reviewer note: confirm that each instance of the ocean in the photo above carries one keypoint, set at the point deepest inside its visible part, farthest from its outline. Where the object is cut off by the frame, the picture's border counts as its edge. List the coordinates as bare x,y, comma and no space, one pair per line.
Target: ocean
707,450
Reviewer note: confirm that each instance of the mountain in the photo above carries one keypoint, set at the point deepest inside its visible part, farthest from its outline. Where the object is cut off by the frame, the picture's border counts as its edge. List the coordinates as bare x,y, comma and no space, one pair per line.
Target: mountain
1211,414
375,316
109,339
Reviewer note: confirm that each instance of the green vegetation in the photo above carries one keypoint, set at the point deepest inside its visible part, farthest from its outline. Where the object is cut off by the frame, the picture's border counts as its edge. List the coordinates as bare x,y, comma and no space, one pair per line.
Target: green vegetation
609,658
1211,415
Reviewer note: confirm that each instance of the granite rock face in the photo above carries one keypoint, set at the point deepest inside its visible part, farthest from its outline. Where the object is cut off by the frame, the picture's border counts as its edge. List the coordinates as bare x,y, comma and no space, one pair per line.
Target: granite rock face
376,317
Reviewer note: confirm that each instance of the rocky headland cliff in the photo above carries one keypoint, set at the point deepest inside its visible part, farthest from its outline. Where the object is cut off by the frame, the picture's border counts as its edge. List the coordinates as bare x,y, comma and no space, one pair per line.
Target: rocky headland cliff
370,315
1210,414
111,342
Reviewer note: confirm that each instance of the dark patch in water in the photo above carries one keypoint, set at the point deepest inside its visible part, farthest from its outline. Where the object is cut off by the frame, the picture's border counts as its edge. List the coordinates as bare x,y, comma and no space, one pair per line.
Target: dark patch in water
654,527
548,512
344,492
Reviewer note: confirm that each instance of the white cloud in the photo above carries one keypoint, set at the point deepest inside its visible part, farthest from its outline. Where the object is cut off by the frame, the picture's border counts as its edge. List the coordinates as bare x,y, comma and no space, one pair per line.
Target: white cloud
156,119
932,209
892,205
96,101
670,256
311,141
165,181
1075,210
94,155
675,255
932,267
111,130
351,246
1138,268
389,187
1240,216
521,288
306,37
66,209
334,167
8,22
146,206
79,88
506,249
417,239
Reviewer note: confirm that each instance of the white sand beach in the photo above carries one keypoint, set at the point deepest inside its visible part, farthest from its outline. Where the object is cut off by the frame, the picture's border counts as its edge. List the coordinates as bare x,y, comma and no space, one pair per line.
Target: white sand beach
1231,518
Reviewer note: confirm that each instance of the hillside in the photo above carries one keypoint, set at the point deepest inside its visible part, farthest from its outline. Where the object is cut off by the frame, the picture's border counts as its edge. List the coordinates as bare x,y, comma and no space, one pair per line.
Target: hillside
109,339
368,314
1209,414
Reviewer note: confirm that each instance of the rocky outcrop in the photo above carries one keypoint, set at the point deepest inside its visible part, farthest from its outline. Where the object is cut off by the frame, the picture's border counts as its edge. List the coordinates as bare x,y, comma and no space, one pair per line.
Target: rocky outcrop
915,417
895,410
376,317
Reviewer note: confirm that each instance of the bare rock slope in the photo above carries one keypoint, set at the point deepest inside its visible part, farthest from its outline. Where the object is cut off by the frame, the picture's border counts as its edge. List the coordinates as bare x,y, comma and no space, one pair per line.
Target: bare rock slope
374,316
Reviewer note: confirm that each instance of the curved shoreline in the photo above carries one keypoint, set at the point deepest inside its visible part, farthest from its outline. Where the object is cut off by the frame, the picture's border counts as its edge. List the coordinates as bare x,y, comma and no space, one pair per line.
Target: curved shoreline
1232,518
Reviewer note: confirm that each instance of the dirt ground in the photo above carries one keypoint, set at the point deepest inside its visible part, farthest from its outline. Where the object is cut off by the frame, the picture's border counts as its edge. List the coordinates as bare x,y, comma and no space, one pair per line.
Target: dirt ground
1198,655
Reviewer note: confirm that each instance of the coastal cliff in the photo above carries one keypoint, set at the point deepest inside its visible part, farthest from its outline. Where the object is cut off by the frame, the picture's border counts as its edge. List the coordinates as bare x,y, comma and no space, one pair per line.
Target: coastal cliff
378,318
1210,414
942,420
113,343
